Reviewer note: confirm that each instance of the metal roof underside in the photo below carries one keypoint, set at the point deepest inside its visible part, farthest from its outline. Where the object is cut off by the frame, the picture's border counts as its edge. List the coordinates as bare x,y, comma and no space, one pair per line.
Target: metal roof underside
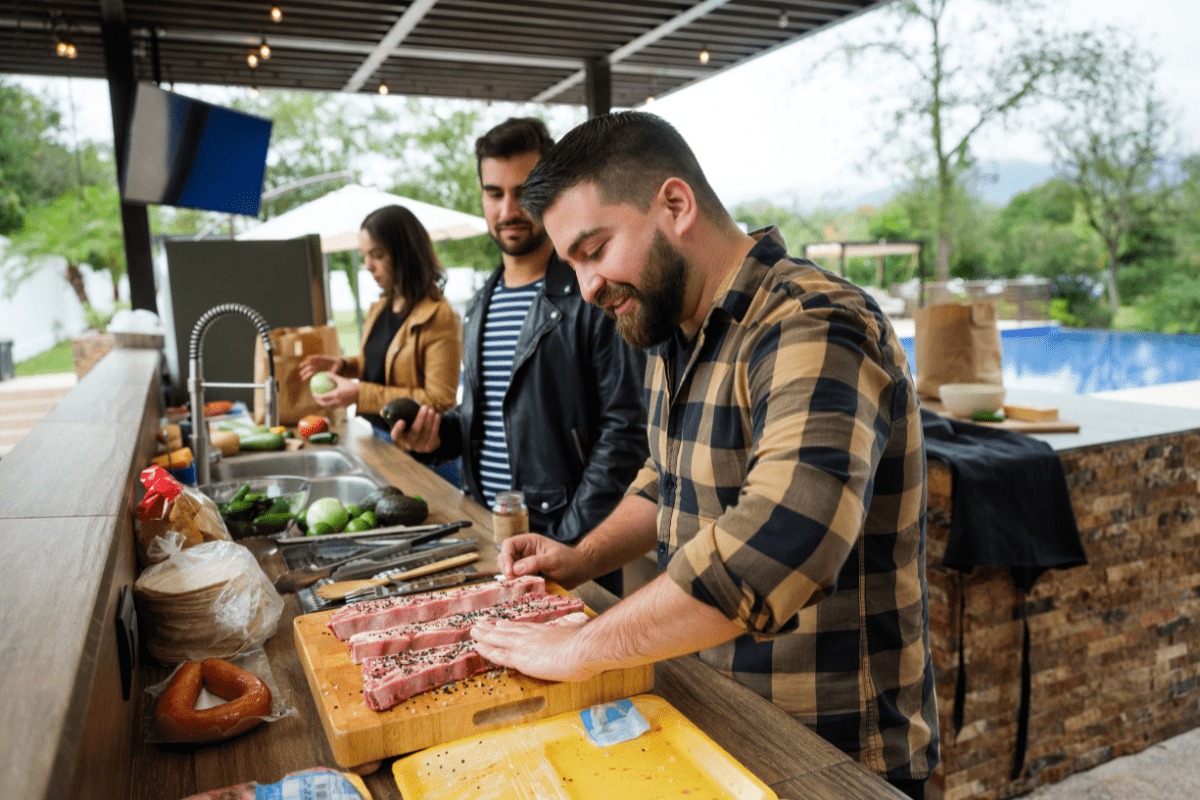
532,51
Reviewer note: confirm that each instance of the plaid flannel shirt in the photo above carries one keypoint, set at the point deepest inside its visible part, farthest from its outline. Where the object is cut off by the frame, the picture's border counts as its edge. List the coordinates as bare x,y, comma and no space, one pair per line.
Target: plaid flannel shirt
789,474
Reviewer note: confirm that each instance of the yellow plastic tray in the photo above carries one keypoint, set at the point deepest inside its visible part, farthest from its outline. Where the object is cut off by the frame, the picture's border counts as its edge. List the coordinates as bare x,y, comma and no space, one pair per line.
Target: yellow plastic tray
554,759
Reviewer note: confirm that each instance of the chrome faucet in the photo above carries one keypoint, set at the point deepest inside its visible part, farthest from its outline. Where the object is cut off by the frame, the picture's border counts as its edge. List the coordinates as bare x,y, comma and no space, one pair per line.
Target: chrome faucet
196,384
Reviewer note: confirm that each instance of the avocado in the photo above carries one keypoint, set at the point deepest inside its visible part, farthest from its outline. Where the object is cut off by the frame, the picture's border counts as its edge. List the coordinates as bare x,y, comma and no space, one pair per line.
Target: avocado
401,510
369,502
402,408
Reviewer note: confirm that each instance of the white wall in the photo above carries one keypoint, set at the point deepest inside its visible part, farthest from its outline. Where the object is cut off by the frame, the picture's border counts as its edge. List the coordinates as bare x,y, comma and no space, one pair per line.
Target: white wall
44,310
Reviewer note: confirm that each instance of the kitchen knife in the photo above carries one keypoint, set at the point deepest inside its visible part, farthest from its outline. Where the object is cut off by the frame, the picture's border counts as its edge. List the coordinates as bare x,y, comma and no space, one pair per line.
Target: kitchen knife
295,579
388,531
400,589
342,589
369,568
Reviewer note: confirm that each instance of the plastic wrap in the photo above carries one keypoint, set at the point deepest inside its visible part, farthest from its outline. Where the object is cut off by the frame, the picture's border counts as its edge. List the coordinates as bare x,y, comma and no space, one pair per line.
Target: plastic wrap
208,601
318,782
181,515
254,661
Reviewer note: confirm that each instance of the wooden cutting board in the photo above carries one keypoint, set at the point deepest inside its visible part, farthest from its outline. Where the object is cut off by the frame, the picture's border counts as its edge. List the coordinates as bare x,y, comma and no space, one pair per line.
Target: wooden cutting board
360,737
1049,426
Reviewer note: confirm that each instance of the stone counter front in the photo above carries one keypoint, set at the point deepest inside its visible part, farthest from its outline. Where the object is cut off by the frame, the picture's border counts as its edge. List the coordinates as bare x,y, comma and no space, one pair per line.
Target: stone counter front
1115,644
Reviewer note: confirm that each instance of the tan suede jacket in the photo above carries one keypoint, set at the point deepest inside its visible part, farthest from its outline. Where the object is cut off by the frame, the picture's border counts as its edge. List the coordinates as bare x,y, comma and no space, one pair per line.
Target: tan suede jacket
422,361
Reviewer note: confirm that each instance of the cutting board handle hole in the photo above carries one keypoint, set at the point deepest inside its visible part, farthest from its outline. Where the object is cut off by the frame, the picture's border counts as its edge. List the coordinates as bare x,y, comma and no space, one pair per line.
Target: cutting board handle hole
510,711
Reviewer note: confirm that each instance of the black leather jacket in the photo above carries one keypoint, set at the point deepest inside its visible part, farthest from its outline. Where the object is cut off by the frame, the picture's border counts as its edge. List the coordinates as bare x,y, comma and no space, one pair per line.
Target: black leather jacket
573,413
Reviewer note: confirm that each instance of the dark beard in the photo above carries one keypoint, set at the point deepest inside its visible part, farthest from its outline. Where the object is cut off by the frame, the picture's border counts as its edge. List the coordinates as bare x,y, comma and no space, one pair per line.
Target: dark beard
535,240
659,301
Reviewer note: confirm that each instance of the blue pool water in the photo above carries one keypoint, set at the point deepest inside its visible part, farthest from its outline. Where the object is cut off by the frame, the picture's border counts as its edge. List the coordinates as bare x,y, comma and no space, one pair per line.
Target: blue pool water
1073,361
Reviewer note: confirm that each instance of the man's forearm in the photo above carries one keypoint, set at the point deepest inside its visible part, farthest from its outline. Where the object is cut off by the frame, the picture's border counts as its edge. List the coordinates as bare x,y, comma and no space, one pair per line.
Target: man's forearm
657,622
627,533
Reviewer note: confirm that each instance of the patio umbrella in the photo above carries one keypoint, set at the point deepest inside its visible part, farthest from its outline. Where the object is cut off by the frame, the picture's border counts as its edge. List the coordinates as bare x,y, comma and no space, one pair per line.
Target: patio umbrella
337,217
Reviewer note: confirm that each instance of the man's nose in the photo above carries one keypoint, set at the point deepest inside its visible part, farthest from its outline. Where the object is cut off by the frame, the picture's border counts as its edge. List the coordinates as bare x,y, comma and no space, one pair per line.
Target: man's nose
510,206
590,283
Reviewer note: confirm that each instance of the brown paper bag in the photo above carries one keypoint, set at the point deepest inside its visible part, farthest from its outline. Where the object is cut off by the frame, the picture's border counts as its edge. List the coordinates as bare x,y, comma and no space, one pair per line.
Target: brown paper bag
956,343
292,345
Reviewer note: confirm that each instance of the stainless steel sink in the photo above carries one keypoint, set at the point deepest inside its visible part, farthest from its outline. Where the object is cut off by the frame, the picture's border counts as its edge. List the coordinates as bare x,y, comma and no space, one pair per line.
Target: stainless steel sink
349,489
306,463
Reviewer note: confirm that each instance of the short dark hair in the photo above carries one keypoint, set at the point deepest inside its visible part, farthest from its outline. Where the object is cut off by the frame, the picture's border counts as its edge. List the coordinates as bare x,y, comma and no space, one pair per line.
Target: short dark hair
512,137
416,271
628,156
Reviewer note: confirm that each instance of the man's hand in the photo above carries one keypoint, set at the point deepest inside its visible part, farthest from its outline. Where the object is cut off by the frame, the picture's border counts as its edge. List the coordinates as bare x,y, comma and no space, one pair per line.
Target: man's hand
344,392
536,649
529,554
423,436
313,364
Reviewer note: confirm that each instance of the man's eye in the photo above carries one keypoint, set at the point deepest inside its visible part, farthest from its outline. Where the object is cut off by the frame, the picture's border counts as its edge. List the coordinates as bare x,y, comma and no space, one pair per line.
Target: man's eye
592,256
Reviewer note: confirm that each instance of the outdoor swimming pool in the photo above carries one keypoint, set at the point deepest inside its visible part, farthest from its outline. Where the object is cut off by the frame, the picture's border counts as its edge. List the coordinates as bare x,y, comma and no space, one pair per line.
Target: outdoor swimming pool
1072,361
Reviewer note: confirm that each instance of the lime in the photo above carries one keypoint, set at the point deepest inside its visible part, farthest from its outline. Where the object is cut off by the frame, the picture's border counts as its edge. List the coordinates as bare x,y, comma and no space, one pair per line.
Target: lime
321,383
368,517
353,511
328,510
355,525
320,529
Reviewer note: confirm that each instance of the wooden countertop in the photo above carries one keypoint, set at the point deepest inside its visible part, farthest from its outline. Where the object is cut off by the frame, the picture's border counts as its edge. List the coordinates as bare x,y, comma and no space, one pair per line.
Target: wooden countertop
791,759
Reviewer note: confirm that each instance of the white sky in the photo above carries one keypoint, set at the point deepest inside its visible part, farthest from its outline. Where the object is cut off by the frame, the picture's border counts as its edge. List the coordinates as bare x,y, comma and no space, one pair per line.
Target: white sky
773,129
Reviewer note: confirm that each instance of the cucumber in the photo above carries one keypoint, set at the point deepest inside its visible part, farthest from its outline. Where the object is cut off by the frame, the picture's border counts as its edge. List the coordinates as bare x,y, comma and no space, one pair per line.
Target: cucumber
273,519
327,437
261,441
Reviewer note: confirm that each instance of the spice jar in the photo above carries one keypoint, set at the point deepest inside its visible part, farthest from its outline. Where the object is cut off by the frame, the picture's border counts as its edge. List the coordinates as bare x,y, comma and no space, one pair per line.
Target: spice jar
510,516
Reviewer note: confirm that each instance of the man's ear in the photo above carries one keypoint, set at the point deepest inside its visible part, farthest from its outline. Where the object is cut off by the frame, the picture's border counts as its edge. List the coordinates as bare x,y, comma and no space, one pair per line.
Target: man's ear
678,203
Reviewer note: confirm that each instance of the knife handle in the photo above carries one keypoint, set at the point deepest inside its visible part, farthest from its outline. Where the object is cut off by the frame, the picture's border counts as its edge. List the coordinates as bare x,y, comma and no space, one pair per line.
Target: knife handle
340,589
437,566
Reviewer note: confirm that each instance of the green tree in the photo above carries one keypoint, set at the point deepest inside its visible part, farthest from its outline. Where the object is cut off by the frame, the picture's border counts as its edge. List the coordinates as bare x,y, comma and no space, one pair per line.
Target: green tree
954,88
82,226
1043,232
32,166
1109,144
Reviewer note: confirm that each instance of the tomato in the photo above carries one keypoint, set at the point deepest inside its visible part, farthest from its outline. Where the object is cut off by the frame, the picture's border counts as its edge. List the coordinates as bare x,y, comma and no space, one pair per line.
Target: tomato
313,423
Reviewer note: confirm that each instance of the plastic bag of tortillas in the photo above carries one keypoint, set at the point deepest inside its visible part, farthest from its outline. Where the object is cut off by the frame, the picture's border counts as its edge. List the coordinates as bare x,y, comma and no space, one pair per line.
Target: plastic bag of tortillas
209,601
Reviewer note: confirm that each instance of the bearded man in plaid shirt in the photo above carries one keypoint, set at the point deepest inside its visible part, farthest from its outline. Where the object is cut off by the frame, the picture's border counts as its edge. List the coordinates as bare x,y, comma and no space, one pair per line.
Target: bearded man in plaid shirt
785,489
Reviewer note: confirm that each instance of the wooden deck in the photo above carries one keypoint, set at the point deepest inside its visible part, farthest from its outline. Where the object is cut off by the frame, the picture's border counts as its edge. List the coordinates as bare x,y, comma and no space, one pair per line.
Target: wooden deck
24,401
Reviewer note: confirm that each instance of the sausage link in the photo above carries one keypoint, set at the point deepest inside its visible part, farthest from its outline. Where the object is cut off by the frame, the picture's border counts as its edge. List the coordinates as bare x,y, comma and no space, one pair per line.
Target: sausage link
247,698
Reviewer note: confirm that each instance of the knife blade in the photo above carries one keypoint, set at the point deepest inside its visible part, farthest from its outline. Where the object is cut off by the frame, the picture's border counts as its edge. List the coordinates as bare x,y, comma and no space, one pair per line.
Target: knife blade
393,530
370,567
402,588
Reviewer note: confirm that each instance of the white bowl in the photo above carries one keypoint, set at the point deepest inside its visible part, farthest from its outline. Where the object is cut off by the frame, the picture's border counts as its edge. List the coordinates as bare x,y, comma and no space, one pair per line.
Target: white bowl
965,399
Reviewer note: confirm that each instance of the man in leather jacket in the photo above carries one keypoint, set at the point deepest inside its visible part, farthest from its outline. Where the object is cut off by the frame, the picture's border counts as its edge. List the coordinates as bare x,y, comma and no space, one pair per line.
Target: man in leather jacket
552,395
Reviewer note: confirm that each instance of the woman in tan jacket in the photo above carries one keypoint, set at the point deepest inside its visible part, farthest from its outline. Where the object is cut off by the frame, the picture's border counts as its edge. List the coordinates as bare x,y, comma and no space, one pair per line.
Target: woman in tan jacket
412,341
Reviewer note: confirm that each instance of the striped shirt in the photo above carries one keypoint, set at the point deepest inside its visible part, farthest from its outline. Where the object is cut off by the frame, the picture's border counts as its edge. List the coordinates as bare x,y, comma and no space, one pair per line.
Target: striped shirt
789,473
501,328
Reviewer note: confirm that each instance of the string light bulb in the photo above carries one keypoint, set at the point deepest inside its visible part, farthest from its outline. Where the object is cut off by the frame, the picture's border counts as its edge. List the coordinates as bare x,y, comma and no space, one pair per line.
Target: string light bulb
783,18
383,88
254,91
276,14
62,48
264,50
252,60
704,56
71,51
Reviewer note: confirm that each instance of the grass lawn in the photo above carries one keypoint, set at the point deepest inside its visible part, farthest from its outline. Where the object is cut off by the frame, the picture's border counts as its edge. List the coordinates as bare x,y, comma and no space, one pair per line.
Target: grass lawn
56,359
